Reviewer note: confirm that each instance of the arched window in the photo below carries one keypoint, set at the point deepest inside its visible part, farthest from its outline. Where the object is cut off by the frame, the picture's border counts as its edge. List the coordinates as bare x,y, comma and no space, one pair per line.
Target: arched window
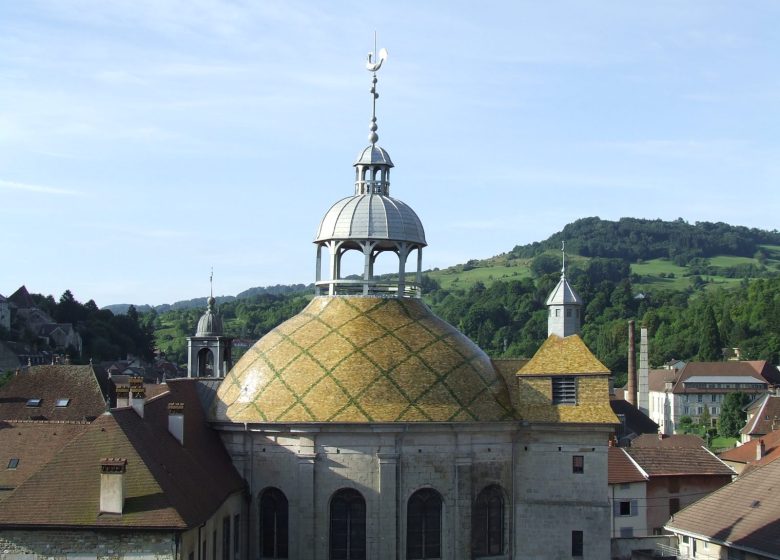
347,525
487,526
423,525
273,524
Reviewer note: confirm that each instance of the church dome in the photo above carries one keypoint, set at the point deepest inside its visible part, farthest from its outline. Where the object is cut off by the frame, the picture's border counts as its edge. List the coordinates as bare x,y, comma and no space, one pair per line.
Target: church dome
374,155
210,323
364,359
371,216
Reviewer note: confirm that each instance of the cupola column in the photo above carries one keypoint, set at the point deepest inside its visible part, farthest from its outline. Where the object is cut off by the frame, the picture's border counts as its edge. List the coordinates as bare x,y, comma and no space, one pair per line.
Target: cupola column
403,252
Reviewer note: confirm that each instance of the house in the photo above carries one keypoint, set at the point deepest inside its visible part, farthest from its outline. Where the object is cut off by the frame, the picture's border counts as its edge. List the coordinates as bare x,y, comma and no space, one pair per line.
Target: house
678,473
628,495
64,393
150,480
741,520
763,416
753,453
5,313
699,385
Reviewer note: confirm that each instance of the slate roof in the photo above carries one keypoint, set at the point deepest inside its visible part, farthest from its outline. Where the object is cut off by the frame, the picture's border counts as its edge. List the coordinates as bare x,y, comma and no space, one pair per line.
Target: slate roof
168,486
32,444
744,514
676,461
636,422
622,469
759,370
21,298
50,383
766,416
563,356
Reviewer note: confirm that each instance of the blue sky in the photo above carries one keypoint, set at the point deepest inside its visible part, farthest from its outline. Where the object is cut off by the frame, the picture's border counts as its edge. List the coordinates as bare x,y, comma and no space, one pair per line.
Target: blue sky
144,141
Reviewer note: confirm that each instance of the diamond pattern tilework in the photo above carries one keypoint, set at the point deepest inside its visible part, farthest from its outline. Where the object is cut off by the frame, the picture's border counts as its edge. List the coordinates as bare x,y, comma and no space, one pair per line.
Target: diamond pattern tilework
363,359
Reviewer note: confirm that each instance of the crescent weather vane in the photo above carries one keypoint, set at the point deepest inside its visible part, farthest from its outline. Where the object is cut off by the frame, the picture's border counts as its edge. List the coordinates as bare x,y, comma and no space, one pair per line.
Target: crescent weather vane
373,64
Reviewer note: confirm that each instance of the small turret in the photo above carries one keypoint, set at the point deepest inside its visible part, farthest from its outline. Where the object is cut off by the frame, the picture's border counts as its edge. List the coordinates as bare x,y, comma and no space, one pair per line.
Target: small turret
565,306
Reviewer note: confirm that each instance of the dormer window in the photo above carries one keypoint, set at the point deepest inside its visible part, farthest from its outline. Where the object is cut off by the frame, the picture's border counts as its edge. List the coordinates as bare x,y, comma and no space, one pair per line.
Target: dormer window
34,403
13,463
564,390
62,403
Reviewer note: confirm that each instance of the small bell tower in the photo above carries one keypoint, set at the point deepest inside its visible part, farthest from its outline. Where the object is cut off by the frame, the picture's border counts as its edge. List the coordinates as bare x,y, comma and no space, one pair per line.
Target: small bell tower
209,351
564,305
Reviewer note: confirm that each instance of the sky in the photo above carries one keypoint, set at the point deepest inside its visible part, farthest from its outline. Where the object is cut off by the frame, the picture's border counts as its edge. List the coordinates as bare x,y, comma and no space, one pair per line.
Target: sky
143,142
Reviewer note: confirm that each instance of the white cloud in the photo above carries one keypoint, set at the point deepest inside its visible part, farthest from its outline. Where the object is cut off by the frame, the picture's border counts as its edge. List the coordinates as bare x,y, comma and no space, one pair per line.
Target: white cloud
27,187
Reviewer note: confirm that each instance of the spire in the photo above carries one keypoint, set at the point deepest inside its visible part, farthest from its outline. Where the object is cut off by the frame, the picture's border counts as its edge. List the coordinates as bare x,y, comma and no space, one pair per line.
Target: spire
564,305
373,65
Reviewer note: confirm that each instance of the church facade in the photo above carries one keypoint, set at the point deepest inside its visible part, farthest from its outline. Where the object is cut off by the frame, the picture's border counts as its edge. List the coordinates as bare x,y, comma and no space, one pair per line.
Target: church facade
367,427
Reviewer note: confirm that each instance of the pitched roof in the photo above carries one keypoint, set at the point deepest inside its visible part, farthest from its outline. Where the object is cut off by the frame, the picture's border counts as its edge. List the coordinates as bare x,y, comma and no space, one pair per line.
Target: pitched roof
677,440
746,453
21,298
744,514
563,294
77,384
622,469
636,421
563,356
760,370
657,378
168,485
766,416
666,461
31,444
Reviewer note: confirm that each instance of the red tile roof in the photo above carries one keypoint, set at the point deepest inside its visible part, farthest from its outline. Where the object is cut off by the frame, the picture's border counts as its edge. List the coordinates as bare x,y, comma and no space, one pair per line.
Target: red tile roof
744,514
766,416
676,440
746,453
168,486
32,444
666,461
50,383
622,469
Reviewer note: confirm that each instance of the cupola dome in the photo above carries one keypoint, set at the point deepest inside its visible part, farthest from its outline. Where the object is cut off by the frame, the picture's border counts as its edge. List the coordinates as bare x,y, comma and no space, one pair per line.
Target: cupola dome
210,323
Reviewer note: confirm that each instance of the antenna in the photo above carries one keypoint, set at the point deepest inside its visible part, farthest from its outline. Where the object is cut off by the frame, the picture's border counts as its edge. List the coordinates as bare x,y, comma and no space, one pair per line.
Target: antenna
211,282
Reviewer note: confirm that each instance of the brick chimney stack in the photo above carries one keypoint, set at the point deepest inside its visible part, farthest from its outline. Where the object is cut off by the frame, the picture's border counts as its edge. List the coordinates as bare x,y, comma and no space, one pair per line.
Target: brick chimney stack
631,385
112,485
176,421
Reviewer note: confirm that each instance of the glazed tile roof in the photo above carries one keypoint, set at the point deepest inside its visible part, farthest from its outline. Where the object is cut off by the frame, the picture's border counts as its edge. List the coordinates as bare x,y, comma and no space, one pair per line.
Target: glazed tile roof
168,486
32,444
50,383
665,461
364,359
744,514
622,469
558,356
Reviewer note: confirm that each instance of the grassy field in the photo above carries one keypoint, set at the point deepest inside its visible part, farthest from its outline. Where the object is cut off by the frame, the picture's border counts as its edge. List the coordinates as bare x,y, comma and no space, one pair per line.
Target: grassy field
723,443
457,278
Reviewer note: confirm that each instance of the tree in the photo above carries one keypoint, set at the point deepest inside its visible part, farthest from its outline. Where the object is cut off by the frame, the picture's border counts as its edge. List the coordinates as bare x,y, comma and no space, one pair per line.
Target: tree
685,424
732,417
705,420
710,345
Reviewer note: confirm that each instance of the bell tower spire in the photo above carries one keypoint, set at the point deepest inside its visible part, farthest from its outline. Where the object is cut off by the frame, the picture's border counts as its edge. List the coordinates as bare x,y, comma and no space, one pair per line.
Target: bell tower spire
565,306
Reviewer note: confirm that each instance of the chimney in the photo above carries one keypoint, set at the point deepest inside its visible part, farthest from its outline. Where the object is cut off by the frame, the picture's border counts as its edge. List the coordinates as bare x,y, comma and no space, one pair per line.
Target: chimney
631,385
112,485
176,421
760,449
137,395
122,396
660,435
643,394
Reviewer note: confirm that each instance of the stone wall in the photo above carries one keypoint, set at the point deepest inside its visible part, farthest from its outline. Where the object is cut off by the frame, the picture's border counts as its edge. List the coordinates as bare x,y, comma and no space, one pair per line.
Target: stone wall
48,544
544,500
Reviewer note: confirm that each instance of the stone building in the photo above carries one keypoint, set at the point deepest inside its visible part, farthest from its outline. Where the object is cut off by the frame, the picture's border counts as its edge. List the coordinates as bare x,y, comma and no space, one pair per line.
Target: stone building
367,427
209,351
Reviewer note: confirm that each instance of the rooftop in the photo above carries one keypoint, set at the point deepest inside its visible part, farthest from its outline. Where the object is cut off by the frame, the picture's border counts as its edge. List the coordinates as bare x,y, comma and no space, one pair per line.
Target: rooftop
677,461
563,356
622,469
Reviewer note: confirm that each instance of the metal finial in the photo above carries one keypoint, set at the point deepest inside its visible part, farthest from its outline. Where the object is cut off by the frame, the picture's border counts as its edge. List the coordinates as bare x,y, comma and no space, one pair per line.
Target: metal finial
373,65
563,257
211,282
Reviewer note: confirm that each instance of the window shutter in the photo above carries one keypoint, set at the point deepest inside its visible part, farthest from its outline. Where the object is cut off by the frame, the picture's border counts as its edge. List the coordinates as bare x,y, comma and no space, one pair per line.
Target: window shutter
616,508
634,508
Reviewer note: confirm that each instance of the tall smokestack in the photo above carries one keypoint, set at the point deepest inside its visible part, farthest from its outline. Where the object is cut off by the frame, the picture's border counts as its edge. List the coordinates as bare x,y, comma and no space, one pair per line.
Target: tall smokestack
643,393
631,385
